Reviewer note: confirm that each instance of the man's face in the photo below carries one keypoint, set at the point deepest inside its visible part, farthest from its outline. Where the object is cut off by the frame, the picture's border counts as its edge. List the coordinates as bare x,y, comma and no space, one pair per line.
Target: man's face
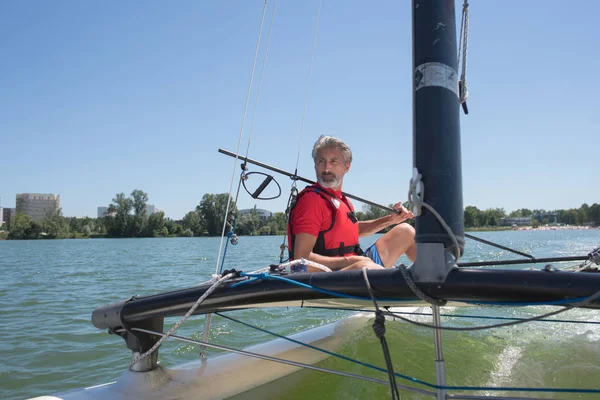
331,167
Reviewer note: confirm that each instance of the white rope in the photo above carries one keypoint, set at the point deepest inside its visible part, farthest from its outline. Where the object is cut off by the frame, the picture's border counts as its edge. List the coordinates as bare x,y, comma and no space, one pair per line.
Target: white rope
240,136
416,194
182,320
304,261
312,56
243,176
462,51
262,72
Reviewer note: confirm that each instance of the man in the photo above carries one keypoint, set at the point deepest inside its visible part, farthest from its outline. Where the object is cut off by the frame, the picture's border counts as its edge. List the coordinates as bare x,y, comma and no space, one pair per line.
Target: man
323,227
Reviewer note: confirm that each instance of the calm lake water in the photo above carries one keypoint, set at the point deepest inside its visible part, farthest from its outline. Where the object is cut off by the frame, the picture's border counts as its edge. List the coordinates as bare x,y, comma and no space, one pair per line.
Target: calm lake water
48,290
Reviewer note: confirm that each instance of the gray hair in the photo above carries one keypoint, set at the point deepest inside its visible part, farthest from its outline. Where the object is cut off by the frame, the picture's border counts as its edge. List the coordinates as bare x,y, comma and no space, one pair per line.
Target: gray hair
330,141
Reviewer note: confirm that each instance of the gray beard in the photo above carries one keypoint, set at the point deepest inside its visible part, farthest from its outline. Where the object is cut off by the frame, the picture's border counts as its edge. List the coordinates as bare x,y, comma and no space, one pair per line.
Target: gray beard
328,185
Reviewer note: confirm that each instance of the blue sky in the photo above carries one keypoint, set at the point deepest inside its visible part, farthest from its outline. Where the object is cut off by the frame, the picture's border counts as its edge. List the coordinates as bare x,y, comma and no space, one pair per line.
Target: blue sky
102,98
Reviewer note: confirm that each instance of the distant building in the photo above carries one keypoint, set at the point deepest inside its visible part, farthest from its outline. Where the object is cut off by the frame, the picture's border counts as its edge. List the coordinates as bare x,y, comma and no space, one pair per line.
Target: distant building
263,214
519,221
102,211
7,215
150,209
37,205
1,216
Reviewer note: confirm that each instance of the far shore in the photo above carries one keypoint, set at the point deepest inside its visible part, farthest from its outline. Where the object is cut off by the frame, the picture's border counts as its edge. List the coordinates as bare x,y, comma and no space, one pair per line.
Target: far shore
4,234
531,228
557,228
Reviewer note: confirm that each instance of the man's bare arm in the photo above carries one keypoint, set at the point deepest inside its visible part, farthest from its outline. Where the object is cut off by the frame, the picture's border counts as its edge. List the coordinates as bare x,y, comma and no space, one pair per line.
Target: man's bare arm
366,228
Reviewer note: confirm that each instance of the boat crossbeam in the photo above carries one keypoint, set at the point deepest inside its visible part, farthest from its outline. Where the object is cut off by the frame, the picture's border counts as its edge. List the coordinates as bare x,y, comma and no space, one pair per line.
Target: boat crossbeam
110,317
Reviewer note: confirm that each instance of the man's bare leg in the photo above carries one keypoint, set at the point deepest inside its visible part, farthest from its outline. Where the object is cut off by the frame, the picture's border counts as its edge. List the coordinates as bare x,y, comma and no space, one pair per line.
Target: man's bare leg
399,240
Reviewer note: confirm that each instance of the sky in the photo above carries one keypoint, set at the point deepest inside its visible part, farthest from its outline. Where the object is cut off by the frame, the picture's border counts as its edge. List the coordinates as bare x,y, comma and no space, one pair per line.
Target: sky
98,98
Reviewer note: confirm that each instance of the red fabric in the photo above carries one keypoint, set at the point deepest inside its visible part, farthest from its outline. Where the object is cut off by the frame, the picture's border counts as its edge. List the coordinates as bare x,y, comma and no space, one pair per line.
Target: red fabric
313,214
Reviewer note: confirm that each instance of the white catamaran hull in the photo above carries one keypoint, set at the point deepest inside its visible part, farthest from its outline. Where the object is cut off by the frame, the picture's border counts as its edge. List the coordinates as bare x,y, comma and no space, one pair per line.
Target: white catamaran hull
224,375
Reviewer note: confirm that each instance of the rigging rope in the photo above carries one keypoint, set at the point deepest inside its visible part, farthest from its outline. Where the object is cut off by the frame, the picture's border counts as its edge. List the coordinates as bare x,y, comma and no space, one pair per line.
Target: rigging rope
240,136
208,292
462,52
479,328
294,190
312,56
269,358
565,321
379,329
227,217
418,292
416,195
288,209
331,353
243,175
262,72
414,380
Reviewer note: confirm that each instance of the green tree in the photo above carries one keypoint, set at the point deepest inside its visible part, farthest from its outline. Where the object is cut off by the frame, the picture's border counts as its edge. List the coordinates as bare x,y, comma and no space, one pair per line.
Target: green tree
280,221
248,224
594,214
171,226
178,229
192,221
212,210
118,216
55,226
155,224
492,216
584,212
472,217
273,228
139,200
23,227
373,212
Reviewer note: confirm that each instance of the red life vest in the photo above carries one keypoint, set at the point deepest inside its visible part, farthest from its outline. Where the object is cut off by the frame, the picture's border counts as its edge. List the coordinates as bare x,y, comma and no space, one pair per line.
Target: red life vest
341,238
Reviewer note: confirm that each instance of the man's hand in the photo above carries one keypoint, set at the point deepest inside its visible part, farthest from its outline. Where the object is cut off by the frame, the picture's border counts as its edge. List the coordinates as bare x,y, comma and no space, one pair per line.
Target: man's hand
402,215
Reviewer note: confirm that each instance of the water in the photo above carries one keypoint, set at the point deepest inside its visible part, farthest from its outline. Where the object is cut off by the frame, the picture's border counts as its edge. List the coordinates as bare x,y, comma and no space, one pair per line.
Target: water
49,289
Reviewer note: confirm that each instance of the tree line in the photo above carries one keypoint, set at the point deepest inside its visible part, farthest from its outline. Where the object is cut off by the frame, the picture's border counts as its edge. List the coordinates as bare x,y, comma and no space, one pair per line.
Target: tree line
127,216
475,218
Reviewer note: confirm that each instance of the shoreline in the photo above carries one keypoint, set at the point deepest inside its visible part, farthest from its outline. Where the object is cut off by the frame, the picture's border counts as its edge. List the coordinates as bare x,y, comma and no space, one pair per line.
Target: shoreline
558,228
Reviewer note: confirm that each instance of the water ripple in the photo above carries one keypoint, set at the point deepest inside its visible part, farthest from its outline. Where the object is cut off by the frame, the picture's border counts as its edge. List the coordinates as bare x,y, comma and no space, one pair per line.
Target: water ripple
49,289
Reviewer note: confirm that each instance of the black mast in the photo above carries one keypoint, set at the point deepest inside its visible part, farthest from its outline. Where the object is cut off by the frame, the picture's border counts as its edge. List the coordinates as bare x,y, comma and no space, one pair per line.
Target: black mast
436,153
436,134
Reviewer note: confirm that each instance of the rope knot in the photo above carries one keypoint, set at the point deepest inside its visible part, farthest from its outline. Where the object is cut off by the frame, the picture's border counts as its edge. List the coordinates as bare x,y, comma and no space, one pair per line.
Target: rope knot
236,273
379,324
416,193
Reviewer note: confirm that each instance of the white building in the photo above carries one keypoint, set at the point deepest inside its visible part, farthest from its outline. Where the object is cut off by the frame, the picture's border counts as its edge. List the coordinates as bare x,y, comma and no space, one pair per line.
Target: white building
520,221
263,214
37,205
